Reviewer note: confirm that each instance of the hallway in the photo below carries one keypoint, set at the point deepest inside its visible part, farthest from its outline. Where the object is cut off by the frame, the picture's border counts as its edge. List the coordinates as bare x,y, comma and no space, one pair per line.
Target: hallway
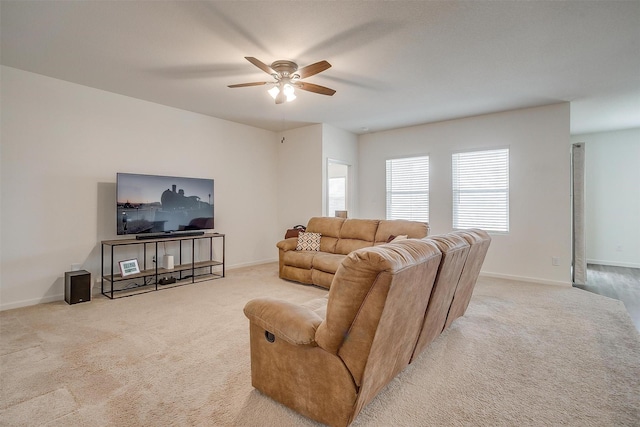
621,283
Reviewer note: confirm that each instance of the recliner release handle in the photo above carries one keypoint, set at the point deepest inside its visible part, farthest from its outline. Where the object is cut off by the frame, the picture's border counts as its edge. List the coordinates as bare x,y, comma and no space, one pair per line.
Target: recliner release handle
269,336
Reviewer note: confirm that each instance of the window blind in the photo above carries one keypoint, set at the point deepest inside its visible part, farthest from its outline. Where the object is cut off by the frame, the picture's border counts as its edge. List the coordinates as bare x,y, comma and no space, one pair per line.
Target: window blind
408,188
480,181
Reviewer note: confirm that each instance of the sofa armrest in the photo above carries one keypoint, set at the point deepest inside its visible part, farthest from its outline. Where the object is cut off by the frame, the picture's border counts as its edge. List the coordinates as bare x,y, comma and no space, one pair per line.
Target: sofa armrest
289,244
291,322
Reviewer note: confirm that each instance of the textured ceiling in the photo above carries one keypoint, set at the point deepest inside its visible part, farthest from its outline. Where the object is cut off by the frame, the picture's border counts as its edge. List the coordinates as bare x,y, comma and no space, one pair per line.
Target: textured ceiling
395,64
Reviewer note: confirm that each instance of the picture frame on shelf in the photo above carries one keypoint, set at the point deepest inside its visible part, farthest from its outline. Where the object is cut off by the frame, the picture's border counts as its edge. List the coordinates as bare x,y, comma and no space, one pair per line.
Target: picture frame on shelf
129,267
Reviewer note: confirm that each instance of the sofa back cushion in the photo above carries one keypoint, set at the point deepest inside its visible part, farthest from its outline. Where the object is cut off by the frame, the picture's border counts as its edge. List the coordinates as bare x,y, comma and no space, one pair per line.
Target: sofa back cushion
479,241
397,227
398,328
356,234
379,287
454,254
329,228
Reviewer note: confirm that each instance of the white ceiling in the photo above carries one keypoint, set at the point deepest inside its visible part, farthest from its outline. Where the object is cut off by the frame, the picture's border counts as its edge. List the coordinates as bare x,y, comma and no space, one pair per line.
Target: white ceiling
395,64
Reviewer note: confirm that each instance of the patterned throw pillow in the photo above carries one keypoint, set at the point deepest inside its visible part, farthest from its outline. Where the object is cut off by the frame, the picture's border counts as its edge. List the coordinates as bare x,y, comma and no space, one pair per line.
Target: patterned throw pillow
308,242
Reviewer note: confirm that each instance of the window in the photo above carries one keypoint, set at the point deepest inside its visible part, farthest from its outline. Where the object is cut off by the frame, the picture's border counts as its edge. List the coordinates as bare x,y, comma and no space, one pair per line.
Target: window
481,190
408,188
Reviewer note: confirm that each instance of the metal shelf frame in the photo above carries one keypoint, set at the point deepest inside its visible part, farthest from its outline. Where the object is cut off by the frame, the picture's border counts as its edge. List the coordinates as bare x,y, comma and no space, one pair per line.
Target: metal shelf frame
187,272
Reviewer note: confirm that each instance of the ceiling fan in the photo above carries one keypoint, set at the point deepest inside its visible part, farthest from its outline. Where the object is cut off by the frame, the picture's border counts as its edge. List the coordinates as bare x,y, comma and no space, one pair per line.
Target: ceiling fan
288,77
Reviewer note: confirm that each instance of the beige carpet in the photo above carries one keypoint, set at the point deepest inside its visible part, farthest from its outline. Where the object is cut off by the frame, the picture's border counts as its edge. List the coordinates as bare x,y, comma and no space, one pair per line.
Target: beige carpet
523,355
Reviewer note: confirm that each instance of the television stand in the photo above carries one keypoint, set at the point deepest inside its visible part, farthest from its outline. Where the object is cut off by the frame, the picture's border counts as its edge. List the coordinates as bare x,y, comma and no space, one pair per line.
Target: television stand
196,261
168,235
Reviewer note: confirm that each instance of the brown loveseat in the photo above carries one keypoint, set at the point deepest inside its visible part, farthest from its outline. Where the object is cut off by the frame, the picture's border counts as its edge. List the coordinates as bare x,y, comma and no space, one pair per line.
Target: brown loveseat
340,236
330,357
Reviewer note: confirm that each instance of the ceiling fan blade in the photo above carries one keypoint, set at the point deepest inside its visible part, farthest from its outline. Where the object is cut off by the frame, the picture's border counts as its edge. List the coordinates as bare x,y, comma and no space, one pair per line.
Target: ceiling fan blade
248,84
315,88
264,67
313,69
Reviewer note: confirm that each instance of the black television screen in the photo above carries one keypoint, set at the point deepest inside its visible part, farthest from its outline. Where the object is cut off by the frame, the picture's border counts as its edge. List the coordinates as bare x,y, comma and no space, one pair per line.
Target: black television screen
161,204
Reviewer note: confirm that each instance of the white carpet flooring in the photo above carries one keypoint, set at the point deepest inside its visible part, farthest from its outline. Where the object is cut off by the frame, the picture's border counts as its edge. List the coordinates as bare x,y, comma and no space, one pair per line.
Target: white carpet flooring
523,355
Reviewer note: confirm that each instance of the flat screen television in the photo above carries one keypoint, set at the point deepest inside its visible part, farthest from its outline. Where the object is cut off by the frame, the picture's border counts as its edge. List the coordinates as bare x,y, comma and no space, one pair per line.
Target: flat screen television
162,204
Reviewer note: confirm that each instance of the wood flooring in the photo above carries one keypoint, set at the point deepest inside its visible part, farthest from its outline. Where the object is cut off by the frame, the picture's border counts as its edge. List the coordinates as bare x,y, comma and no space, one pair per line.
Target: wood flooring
620,283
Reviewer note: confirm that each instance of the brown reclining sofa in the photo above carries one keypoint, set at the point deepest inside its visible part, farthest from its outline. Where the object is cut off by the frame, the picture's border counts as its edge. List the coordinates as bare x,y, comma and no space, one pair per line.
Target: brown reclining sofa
339,237
330,357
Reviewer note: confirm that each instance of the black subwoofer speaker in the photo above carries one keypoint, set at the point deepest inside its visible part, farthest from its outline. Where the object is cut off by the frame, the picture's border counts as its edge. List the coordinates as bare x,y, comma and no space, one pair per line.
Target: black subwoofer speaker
77,286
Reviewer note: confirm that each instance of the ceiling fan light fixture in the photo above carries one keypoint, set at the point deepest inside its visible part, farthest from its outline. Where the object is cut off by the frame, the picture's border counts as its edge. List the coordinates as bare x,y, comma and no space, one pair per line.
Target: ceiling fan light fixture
287,90
274,91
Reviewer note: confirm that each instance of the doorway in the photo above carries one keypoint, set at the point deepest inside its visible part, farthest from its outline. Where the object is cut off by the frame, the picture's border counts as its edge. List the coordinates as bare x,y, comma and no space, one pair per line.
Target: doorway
337,187
605,207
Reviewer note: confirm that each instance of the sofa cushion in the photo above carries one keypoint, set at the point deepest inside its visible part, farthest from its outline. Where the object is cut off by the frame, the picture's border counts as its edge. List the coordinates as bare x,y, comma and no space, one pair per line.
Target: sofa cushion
301,275
354,279
321,278
454,254
346,246
479,241
360,229
318,305
328,244
329,227
414,229
327,262
308,241
300,259
369,275
389,342
356,234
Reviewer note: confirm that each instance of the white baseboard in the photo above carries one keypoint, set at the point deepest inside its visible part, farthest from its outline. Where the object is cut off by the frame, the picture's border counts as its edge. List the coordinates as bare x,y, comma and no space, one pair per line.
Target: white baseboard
96,290
613,263
29,302
251,264
525,279
96,286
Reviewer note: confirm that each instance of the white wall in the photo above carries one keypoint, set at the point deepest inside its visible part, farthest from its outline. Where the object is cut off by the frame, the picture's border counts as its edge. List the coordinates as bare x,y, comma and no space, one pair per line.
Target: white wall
302,165
299,176
612,195
539,144
340,145
62,145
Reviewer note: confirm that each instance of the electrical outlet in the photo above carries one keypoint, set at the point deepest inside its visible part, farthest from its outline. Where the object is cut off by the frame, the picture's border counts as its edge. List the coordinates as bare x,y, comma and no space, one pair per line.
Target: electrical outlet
619,248
153,259
555,261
